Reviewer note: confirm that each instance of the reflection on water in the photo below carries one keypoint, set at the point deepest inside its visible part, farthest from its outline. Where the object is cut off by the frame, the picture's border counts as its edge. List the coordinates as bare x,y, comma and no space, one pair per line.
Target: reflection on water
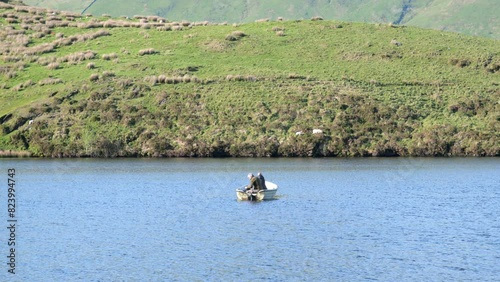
334,219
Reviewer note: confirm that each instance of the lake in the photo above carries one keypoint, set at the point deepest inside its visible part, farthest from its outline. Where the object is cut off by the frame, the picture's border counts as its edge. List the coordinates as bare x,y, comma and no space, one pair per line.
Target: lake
389,219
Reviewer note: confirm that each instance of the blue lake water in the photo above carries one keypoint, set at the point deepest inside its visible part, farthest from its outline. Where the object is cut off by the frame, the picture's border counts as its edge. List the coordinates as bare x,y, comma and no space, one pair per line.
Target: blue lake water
398,219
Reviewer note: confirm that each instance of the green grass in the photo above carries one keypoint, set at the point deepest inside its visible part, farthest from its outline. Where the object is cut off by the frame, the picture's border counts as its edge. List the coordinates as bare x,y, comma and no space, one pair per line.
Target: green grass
199,94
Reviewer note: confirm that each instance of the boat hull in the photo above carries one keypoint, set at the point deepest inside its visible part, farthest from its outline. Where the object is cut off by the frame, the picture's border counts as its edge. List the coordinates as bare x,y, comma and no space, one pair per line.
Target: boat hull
261,195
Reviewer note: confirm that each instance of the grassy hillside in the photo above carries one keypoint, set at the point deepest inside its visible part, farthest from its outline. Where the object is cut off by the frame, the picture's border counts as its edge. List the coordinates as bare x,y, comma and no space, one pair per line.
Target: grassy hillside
478,17
97,86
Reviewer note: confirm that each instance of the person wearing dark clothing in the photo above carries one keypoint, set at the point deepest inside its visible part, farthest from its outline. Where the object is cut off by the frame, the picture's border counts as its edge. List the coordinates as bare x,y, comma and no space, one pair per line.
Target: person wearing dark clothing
262,181
254,183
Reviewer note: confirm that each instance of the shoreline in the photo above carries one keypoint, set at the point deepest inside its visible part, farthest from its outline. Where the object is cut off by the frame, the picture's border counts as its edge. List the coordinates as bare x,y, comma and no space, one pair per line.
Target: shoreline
15,154
12,154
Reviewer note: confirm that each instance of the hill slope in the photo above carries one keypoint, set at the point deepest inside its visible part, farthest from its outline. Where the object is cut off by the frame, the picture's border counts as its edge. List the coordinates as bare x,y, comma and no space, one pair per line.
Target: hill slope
474,17
145,87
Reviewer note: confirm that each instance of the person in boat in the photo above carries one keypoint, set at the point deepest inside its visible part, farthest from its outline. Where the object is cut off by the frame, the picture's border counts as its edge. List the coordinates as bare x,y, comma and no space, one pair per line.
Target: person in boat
262,181
254,183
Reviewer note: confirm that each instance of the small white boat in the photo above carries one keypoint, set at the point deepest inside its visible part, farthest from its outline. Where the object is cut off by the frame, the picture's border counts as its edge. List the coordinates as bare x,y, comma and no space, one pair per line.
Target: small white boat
260,195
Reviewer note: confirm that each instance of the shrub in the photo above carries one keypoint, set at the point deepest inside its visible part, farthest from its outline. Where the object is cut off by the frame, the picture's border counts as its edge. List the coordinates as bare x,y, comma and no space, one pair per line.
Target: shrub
106,74
295,76
493,68
396,43
94,77
204,23
177,79
104,147
238,33
9,59
186,79
235,35
460,62
39,49
195,79
49,81
237,77
23,85
148,51
229,37
164,28
108,57
53,66
11,20
169,80
124,83
10,74
89,55
162,78
251,78
231,77
151,79
64,41
153,18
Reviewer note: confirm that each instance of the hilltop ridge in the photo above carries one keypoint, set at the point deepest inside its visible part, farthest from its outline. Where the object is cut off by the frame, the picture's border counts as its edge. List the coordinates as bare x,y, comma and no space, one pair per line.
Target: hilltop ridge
478,17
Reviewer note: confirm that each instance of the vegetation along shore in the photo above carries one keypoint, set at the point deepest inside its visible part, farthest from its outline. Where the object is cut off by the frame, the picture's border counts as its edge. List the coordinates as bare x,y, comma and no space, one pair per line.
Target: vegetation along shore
97,86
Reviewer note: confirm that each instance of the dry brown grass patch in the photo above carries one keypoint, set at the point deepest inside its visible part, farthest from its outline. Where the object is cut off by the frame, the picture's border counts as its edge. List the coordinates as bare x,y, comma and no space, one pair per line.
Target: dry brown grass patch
216,46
